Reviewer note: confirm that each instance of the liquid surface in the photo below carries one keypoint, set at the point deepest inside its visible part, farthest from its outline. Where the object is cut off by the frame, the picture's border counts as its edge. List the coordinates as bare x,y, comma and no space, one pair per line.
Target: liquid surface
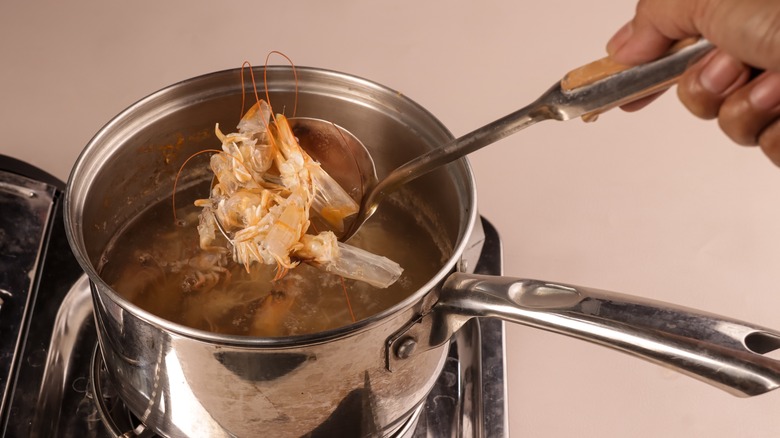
156,263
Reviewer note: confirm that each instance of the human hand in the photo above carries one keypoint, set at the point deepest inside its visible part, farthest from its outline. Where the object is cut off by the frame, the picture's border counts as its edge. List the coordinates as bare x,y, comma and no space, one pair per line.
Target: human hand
738,83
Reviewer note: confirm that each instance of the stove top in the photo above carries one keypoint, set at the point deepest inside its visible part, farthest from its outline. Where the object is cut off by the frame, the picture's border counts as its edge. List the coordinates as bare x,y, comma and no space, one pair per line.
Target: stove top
51,373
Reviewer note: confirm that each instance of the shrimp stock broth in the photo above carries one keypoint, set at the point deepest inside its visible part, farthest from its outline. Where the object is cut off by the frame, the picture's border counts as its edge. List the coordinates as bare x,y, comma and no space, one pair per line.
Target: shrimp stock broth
157,264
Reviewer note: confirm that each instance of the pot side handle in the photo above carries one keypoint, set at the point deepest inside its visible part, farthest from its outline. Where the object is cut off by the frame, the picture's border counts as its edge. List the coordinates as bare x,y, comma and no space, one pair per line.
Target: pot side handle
725,353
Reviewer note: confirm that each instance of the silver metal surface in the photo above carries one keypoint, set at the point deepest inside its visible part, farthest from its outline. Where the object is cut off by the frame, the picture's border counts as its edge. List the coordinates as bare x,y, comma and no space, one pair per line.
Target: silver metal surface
26,207
72,315
555,104
338,151
185,382
722,352
78,399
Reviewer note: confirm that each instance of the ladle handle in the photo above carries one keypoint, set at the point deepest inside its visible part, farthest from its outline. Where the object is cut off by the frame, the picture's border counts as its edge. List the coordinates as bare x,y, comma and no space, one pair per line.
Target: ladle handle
647,79
605,67
722,352
603,83
584,92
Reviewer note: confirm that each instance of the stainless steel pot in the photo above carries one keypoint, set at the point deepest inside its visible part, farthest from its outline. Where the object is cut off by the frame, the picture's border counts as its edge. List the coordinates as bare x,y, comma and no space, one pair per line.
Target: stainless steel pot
372,374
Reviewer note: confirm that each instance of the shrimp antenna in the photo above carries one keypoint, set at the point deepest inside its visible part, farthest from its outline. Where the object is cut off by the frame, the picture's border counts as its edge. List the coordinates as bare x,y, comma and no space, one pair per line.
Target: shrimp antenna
245,65
295,76
178,174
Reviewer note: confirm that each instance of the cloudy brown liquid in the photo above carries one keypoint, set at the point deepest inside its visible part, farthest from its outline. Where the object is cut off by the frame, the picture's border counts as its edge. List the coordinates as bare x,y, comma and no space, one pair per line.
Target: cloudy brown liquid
157,264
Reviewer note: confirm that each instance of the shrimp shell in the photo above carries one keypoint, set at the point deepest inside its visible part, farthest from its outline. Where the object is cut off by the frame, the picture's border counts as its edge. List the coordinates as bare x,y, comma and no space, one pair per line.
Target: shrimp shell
266,188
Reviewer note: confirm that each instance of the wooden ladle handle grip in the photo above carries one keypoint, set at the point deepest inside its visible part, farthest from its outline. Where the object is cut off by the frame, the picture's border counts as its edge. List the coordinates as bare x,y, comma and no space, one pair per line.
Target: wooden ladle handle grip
606,67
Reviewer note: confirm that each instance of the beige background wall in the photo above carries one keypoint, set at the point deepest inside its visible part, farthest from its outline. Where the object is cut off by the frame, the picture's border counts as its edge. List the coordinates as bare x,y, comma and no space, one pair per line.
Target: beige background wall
656,203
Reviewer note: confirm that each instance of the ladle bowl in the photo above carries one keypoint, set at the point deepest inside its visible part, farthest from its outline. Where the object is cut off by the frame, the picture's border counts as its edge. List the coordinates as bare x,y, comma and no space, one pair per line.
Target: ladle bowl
339,152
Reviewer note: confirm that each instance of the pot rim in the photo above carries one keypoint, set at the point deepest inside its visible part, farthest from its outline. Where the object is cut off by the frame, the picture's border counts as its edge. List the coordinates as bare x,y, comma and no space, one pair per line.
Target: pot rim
75,235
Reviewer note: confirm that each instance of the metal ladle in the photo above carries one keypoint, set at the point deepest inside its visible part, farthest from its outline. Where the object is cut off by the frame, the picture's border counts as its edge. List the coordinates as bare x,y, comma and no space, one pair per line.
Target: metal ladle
584,92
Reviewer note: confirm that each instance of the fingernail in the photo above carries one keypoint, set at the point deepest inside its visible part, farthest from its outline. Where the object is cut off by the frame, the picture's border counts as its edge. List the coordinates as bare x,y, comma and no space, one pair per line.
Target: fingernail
720,73
619,39
765,95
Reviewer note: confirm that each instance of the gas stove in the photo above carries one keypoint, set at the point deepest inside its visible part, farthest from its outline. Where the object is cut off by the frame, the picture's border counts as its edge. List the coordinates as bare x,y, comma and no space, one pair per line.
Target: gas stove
52,374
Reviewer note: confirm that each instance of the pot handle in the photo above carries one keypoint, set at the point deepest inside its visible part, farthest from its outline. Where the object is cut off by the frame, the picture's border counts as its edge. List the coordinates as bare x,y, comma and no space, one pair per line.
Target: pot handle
725,353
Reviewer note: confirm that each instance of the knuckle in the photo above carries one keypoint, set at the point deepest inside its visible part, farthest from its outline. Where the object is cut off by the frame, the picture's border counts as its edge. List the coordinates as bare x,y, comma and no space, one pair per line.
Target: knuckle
736,121
696,99
769,141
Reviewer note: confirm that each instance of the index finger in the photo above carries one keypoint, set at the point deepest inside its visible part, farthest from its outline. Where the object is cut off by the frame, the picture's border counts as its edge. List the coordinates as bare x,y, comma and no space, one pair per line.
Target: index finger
745,29
656,25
